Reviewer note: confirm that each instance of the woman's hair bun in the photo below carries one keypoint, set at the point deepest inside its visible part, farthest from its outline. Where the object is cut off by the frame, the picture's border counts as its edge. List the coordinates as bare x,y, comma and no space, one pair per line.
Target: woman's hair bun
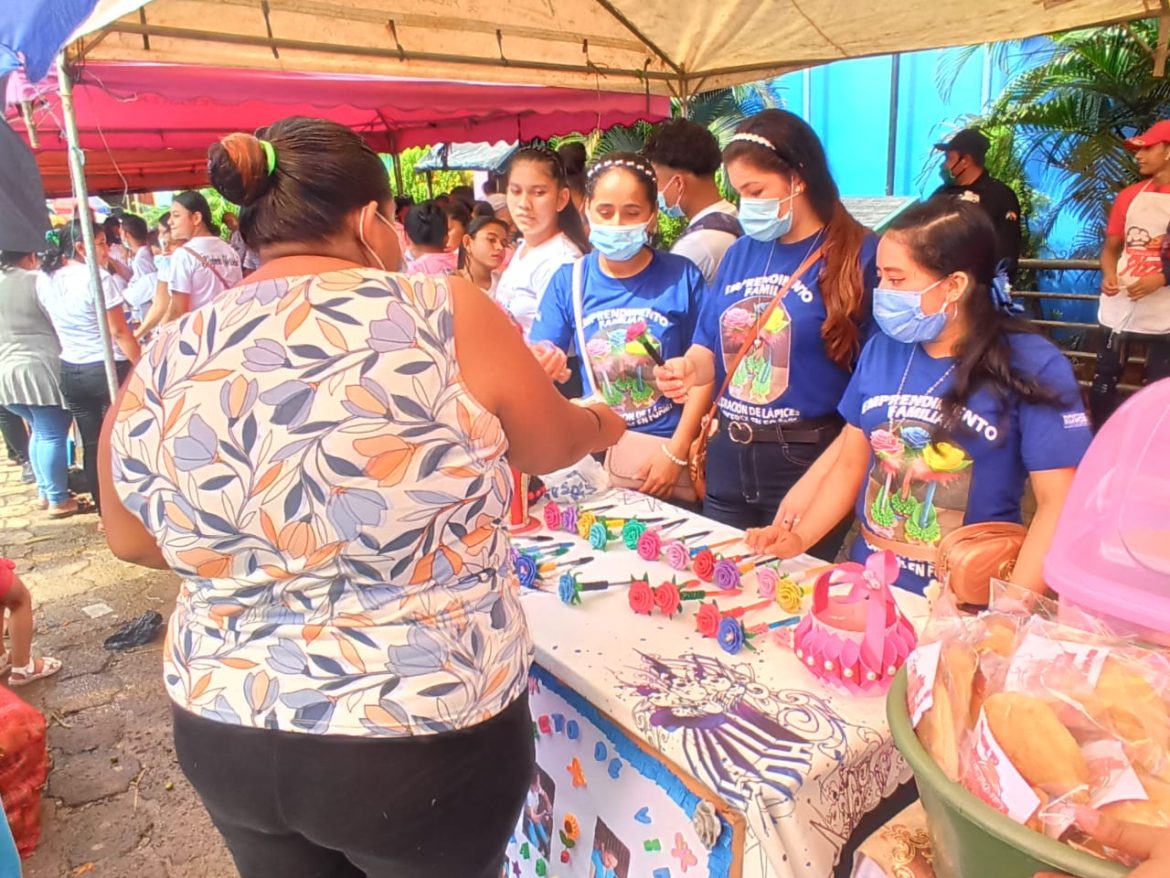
238,169
575,158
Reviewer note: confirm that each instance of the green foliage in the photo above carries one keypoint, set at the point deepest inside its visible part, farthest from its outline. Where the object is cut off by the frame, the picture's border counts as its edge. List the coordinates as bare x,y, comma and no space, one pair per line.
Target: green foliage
219,206
1074,110
415,185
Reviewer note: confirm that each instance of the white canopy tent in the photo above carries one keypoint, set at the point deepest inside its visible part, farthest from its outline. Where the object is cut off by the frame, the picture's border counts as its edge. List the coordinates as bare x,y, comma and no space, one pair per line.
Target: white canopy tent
672,47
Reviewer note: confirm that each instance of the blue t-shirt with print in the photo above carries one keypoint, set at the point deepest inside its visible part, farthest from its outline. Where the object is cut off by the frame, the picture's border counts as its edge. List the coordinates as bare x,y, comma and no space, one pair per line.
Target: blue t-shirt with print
788,377
665,296
919,486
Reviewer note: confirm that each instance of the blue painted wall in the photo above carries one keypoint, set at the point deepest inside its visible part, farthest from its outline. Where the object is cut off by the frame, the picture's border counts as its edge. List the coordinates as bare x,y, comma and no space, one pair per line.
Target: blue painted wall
848,104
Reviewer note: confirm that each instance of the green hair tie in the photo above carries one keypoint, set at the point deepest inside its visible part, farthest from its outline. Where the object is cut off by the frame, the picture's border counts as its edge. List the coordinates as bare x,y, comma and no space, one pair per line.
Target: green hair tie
270,155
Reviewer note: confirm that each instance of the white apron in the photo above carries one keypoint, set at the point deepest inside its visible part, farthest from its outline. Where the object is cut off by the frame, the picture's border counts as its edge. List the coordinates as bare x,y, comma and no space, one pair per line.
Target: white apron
1146,224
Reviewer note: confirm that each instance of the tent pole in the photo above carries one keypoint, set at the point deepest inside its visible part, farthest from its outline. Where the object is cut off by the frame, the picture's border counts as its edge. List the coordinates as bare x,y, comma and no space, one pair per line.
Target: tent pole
81,196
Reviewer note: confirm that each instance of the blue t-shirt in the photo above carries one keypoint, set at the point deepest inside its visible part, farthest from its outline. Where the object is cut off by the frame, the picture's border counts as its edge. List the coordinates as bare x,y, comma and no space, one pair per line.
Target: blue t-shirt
665,296
919,489
789,376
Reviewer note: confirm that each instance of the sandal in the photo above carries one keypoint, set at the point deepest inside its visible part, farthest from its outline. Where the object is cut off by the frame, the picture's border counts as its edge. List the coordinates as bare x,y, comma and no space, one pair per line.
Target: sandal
37,669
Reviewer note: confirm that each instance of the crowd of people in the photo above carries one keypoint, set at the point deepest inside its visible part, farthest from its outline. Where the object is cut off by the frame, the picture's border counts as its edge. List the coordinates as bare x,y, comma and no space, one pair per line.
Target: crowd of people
316,423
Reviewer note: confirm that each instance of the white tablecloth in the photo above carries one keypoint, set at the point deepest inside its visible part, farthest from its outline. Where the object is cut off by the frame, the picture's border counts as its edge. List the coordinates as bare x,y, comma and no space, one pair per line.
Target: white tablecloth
803,764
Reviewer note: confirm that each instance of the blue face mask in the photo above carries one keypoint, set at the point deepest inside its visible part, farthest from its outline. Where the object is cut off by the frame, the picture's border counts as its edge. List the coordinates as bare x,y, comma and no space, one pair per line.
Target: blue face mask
900,315
619,243
760,220
673,211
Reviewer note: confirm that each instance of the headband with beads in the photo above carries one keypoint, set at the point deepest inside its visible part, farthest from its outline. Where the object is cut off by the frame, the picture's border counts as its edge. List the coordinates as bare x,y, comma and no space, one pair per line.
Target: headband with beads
606,164
757,139
760,140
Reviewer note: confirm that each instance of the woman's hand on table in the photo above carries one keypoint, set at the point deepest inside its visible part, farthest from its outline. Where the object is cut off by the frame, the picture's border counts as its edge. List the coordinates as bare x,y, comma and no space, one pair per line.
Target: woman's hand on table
1150,844
774,540
553,360
676,378
661,474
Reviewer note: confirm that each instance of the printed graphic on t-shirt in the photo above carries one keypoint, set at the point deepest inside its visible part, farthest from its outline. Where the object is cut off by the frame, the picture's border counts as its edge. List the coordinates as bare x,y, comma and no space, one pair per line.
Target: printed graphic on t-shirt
762,376
623,368
918,488
1143,253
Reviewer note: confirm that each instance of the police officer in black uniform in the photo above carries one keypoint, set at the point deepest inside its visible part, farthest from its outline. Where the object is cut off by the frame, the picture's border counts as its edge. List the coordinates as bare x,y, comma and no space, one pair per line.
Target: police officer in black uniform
964,165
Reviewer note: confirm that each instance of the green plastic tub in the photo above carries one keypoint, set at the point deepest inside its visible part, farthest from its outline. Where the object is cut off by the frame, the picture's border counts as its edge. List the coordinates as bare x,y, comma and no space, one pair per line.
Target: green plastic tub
970,839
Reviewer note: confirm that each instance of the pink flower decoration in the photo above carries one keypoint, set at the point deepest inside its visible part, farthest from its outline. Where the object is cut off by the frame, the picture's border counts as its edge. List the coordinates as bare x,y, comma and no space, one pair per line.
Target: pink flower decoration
649,546
766,581
677,555
636,331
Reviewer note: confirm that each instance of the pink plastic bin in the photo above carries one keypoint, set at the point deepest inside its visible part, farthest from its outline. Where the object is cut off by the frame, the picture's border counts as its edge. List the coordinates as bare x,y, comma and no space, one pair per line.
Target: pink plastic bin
1111,553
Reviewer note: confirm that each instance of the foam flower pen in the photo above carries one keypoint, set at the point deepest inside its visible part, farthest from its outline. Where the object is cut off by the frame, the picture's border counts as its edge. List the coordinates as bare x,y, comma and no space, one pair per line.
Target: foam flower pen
667,597
678,555
639,333
729,571
570,586
526,571
786,591
734,636
710,617
650,545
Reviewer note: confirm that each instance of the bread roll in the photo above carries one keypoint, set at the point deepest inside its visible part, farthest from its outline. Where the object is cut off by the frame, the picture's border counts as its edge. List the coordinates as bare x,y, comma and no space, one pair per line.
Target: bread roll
1042,750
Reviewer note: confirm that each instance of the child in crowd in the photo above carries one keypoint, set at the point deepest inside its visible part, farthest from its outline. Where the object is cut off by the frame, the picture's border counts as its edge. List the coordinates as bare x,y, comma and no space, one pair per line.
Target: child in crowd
426,229
16,601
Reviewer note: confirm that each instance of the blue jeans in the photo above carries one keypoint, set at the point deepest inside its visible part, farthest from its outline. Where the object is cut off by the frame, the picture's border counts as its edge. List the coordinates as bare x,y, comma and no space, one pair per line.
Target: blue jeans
747,483
46,448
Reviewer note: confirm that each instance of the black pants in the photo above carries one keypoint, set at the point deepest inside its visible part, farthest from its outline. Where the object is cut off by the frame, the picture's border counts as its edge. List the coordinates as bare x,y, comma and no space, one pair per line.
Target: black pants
15,434
1112,353
747,483
87,396
292,805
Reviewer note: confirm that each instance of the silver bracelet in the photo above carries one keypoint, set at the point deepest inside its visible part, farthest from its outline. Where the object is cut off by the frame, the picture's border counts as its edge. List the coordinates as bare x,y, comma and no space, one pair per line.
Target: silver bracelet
671,457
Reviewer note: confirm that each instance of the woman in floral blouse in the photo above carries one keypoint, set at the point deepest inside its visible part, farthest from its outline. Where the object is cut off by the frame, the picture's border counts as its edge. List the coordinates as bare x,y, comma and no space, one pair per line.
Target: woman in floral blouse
320,455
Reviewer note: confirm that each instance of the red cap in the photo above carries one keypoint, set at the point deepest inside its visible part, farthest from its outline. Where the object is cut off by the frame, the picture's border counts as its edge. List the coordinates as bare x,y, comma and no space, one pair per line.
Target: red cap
1158,133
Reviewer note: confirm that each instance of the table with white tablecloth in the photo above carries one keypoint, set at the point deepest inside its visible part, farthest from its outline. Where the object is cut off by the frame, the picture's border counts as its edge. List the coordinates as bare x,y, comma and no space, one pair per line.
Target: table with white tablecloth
661,755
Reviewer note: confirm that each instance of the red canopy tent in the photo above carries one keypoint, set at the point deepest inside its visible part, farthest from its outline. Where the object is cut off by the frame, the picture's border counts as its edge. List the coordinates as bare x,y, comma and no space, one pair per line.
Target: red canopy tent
147,126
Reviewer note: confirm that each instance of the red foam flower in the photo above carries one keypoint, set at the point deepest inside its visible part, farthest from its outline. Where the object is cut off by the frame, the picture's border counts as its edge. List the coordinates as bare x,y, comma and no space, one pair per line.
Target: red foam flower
641,597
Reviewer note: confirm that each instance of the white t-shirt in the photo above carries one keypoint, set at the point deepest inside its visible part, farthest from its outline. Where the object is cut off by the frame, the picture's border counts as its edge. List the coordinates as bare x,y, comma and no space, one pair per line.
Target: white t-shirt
66,298
140,292
706,247
524,281
189,275
143,263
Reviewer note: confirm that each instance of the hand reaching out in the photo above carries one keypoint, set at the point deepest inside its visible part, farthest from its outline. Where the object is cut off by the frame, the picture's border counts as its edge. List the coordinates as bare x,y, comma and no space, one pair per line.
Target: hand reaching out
676,378
1150,844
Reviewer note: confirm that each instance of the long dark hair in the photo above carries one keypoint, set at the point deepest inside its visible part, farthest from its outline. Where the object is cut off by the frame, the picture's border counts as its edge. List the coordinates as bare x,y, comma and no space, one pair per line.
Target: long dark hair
322,172
944,236
67,240
477,225
568,220
798,153
196,203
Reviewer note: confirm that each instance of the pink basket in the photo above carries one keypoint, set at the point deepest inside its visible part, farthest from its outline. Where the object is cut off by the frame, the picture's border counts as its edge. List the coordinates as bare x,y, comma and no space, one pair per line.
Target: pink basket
856,640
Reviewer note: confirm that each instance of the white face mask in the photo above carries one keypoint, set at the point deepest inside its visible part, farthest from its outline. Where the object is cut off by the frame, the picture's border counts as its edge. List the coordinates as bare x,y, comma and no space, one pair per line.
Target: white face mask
362,236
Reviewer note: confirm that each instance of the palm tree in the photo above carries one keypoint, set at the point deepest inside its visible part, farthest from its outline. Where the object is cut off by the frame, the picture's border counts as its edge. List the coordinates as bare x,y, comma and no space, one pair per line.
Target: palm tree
721,110
1075,109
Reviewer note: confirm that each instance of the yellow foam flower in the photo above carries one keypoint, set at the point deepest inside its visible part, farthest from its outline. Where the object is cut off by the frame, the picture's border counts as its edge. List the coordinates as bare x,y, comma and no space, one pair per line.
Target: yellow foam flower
943,457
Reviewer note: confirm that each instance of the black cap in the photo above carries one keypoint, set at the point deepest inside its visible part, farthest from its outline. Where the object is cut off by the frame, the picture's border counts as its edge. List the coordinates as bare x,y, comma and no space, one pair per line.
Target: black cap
969,141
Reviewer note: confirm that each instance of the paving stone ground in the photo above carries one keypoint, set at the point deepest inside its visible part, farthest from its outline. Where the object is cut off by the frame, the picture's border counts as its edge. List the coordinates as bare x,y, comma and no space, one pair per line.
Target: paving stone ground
117,805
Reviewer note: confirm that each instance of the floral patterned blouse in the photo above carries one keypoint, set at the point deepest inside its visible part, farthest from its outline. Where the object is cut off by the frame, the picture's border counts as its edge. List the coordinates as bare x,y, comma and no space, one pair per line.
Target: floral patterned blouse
311,464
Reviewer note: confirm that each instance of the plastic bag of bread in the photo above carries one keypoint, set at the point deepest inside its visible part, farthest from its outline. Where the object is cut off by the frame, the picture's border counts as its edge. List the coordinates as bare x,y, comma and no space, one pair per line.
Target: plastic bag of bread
1036,716
941,672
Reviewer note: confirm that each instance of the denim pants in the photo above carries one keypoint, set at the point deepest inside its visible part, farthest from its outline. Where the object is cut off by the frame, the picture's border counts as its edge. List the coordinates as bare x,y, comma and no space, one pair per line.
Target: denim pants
47,449
88,396
747,483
